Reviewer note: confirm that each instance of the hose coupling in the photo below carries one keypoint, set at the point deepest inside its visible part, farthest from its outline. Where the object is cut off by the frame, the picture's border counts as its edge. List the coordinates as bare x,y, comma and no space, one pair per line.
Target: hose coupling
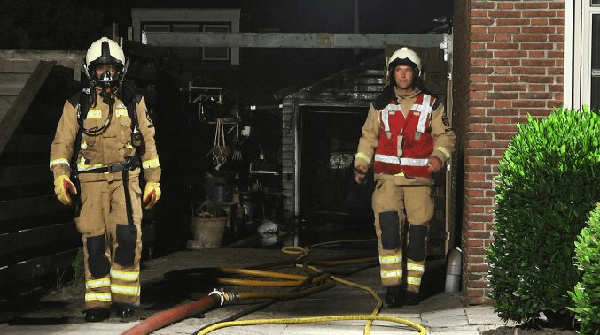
224,297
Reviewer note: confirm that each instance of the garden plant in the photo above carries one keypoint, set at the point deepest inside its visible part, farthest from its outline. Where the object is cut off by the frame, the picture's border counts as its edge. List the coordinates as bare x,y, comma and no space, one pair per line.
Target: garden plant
548,182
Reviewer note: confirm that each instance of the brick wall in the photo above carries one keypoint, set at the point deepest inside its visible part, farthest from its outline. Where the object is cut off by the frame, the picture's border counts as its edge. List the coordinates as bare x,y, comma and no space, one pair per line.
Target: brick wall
508,62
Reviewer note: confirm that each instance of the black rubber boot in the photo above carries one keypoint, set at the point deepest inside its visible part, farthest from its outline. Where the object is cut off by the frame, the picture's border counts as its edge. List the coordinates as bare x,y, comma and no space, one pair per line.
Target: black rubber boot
411,298
124,310
394,297
97,314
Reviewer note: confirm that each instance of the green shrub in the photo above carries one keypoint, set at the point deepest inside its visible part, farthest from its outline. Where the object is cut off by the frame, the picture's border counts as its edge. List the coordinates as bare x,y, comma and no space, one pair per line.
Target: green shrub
586,294
548,182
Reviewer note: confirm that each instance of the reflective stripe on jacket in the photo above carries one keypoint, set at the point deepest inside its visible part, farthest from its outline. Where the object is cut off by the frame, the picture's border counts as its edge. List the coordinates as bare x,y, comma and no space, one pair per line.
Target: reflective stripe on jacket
405,143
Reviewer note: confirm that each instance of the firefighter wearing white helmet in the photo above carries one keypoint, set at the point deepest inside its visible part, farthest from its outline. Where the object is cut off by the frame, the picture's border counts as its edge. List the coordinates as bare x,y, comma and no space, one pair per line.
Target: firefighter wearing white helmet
105,63
405,139
103,139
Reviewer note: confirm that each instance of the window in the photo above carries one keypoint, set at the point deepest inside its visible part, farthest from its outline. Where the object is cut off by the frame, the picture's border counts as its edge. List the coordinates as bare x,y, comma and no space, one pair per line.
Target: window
215,53
186,54
582,54
153,28
595,63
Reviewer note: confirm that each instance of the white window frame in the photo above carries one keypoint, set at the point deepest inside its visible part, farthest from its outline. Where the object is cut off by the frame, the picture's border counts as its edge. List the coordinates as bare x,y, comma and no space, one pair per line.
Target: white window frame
578,44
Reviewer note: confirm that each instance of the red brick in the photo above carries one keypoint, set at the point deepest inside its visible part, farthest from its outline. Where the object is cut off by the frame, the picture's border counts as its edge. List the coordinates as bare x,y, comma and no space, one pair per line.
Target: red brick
501,128
540,22
499,70
539,30
538,62
481,53
504,30
510,54
480,136
530,70
510,87
478,267
504,5
478,13
477,95
481,103
536,54
513,14
498,144
482,37
535,79
482,5
479,201
476,111
477,152
482,87
556,54
502,104
539,13
538,88
536,95
513,22
502,79
503,46
532,5
531,38
476,144
537,46
474,193
481,70
478,79
503,95
503,38
485,22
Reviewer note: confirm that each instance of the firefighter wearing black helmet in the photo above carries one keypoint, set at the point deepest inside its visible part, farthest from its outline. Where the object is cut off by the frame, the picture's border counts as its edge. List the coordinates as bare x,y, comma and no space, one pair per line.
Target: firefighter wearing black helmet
405,138
103,139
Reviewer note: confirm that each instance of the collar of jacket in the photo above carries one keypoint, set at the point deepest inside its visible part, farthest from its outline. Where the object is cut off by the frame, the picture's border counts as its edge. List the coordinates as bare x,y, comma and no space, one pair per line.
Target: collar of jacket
388,94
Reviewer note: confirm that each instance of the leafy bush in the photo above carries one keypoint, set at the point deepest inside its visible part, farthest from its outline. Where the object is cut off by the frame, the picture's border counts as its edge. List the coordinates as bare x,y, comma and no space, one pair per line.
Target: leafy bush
586,294
548,182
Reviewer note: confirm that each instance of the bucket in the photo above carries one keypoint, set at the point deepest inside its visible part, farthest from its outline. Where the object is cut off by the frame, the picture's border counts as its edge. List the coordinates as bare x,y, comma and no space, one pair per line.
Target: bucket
208,232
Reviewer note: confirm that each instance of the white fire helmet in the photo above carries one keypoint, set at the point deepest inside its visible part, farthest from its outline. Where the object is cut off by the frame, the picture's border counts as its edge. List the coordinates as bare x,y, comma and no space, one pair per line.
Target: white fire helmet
404,56
105,51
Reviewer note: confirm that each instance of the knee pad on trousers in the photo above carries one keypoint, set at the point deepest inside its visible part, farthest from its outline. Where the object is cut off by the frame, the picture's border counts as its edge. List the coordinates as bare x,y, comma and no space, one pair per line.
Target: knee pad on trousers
389,223
98,263
126,239
417,235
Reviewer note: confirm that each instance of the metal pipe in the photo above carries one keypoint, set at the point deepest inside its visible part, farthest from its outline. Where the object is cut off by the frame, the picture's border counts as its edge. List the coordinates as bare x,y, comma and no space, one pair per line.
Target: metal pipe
453,270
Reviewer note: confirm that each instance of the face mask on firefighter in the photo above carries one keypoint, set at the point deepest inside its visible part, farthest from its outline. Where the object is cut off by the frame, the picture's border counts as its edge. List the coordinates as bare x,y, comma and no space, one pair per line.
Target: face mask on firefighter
106,72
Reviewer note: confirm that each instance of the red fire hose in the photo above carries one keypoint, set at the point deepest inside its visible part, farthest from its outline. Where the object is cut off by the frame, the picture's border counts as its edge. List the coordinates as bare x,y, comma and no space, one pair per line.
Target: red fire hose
172,315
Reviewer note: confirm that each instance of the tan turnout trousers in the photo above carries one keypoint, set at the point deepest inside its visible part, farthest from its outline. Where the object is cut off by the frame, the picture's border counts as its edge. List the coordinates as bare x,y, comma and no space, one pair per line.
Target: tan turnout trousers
392,204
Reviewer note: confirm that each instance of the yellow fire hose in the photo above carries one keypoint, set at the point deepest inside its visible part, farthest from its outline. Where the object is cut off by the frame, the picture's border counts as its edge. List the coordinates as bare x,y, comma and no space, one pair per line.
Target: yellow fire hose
323,281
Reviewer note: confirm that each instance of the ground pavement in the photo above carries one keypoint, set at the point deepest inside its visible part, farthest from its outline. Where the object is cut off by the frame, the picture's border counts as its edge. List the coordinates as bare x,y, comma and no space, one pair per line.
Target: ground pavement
166,283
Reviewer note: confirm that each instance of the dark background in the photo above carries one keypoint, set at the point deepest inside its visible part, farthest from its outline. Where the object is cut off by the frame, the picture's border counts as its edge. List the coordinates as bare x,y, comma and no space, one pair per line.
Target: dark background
263,77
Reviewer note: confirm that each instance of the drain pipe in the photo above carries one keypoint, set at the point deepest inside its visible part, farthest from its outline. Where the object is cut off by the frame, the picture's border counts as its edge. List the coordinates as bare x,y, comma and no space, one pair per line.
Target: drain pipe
453,270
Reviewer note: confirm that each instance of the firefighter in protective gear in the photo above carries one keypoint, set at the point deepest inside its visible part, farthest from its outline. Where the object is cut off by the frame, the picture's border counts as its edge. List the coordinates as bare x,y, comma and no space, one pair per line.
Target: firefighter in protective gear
103,139
405,138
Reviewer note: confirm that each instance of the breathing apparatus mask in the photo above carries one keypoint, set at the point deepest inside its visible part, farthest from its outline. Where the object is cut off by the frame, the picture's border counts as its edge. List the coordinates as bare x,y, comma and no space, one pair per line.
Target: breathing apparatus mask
105,67
106,55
